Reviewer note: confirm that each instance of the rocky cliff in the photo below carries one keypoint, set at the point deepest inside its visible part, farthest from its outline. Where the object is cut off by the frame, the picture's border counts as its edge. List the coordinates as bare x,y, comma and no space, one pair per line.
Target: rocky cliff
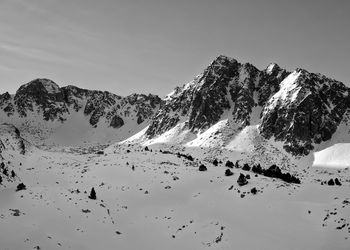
297,108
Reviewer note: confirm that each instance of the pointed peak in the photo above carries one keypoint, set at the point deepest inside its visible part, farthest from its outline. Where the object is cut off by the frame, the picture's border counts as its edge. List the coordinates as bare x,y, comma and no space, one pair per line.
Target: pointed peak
223,58
271,67
300,70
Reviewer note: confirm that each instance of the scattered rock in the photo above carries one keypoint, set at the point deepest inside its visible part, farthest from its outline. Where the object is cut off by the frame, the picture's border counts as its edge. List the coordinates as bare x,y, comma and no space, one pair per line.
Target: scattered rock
16,212
20,187
246,167
254,190
331,182
202,168
229,164
337,182
228,172
242,180
92,195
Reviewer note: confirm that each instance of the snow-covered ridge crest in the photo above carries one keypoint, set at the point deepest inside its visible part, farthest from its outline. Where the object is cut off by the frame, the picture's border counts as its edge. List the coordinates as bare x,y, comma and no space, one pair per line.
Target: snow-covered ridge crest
289,90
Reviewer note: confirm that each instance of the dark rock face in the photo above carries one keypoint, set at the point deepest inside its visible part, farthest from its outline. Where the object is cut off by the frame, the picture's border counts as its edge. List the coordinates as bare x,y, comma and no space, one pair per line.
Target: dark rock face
104,104
45,94
300,109
270,82
224,86
117,122
307,110
145,105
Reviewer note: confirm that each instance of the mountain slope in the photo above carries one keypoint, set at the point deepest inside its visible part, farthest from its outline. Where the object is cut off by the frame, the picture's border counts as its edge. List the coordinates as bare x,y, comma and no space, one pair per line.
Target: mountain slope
13,149
307,110
225,89
44,112
298,109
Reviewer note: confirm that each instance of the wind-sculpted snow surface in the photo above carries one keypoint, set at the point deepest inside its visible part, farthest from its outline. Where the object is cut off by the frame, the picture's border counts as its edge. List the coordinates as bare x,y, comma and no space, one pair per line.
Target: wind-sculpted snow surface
162,189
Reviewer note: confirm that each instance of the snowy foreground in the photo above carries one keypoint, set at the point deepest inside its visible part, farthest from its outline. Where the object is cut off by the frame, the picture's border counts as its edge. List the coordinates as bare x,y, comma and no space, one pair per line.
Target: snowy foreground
164,202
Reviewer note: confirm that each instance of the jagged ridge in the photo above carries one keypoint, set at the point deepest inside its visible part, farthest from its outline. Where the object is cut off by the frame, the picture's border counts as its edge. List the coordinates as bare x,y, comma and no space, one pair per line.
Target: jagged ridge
298,108
44,98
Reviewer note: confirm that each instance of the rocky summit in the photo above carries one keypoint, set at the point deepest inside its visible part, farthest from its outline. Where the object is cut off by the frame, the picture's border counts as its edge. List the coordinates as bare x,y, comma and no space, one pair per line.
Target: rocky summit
225,85
298,108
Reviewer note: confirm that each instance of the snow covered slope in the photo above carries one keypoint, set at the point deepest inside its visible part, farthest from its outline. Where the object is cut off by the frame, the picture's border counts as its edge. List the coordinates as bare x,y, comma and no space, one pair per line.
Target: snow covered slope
139,190
306,111
48,114
238,107
232,114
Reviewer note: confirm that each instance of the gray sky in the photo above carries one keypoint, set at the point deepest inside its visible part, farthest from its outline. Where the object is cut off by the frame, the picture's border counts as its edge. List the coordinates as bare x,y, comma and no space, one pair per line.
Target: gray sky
151,46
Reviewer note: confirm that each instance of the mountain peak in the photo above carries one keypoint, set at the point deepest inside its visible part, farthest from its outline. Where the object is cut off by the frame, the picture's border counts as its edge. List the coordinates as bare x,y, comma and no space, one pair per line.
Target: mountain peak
41,84
271,67
221,59
302,71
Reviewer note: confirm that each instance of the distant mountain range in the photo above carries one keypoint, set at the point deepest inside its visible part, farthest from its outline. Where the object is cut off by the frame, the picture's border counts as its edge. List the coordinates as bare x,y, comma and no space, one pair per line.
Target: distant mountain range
43,110
229,105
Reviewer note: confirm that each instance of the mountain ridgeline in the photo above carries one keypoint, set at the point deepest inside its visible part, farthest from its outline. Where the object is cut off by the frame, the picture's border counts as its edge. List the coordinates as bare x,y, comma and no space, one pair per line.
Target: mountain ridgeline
299,108
42,102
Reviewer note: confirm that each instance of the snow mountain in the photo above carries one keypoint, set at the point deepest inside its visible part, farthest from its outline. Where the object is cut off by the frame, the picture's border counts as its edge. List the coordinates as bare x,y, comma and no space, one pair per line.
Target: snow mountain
236,138
229,105
231,102
44,112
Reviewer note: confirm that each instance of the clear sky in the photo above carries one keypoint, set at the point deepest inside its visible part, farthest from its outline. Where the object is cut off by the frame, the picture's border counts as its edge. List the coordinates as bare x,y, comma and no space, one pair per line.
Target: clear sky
151,46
